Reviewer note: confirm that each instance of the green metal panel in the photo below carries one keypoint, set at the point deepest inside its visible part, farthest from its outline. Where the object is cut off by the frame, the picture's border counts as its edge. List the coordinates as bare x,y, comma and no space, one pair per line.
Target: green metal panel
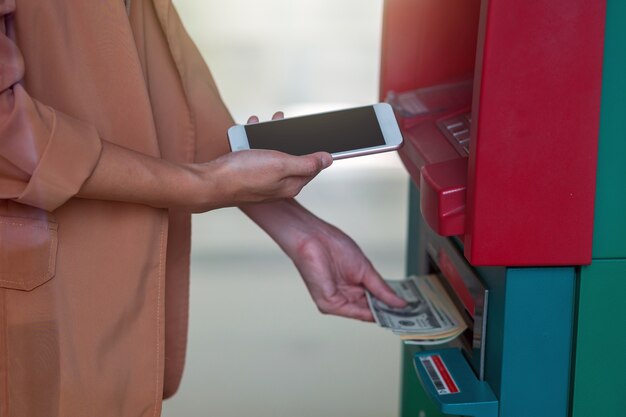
610,209
600,363
600,360
529,339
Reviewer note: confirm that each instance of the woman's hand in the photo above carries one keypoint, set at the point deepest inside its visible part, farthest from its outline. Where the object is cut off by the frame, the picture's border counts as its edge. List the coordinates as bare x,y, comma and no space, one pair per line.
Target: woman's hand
251,176
254,176
333,267
337,273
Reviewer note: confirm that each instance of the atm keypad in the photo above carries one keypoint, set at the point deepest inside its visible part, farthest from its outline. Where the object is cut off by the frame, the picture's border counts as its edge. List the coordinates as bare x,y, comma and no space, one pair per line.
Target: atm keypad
457,130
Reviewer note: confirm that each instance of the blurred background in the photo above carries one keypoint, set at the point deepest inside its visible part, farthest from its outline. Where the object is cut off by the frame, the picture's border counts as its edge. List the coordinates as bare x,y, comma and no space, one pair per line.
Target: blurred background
257,345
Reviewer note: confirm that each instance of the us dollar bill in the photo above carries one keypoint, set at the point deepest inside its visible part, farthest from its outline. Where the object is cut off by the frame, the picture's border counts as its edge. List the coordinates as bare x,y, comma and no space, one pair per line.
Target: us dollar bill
429,315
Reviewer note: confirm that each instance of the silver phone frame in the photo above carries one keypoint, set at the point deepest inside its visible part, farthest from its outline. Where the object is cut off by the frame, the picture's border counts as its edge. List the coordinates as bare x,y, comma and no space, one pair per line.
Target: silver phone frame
386,120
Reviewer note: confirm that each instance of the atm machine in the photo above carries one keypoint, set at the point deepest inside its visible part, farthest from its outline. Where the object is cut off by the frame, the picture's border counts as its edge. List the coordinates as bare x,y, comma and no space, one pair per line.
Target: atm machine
514,119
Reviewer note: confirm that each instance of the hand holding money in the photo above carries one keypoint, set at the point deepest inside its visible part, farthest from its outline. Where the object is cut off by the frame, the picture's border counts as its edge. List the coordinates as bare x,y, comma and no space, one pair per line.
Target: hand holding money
430,316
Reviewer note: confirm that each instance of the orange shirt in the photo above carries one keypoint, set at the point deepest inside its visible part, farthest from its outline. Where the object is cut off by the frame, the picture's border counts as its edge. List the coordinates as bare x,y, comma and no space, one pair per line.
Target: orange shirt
93,294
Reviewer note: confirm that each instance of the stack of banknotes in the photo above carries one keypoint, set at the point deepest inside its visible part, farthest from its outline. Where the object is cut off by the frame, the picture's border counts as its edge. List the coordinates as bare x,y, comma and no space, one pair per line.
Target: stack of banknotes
430,317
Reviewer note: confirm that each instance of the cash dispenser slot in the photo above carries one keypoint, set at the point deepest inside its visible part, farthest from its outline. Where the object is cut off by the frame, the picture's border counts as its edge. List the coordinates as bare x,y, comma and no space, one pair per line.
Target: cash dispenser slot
468,293
453,377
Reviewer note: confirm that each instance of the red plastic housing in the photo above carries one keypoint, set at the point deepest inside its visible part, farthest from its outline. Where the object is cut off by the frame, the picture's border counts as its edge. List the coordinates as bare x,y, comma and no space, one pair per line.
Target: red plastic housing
443,192
530,179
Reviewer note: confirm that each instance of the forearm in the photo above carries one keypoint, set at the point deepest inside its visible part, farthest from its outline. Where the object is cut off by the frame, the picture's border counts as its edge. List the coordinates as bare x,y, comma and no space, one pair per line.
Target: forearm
125,175
233,179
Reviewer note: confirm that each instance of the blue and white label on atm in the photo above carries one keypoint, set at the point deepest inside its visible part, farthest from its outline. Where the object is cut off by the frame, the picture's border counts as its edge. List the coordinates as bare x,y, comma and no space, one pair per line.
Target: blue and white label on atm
439,374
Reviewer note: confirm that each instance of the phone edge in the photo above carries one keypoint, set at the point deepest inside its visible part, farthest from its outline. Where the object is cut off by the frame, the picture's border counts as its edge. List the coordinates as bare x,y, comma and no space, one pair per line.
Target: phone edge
237,138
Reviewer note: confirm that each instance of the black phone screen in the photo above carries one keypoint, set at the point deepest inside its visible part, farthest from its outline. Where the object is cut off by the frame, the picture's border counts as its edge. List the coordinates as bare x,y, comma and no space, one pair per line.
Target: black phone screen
332,132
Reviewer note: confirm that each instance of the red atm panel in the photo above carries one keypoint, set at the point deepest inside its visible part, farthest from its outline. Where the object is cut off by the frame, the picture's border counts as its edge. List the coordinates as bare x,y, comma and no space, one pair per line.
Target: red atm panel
531,177
530,142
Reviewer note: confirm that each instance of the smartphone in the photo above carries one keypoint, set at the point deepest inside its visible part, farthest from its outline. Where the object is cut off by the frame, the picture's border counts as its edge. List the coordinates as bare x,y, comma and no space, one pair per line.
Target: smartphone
343,133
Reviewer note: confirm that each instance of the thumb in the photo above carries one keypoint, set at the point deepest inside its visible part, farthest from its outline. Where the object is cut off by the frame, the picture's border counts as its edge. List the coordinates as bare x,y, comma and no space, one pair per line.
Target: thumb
324,158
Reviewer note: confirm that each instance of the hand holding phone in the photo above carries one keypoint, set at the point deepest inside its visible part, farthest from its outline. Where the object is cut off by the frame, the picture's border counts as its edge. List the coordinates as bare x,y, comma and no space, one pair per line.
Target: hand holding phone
343,133
258,176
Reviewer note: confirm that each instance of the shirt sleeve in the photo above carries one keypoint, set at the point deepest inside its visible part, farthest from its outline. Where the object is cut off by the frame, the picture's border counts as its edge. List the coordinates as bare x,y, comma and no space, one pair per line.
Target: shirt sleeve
211,117
45,155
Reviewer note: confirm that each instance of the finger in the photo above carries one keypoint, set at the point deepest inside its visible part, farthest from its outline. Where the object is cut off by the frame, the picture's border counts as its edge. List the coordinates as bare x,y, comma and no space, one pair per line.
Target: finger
353,311
380,290
350,310
323,159
278,115
307,165
325,156
253,119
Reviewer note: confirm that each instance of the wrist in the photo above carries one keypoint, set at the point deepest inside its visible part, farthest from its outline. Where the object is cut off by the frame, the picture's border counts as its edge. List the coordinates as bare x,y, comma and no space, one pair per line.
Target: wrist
197,188
288,223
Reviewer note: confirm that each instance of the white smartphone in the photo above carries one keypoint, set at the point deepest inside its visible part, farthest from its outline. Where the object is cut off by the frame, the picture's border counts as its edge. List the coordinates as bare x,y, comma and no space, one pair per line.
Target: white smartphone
343,133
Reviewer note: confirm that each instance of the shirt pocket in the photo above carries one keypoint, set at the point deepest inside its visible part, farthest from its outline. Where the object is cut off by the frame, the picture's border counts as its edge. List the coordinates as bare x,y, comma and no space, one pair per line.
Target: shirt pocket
28,250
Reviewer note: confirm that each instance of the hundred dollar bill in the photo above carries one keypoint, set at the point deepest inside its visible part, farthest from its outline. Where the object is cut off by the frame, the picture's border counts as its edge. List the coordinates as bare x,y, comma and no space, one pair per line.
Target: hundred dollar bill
428,314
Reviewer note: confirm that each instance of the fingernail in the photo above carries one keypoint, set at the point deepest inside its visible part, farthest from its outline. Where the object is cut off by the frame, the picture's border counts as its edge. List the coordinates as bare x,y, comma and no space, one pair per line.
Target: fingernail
327,161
